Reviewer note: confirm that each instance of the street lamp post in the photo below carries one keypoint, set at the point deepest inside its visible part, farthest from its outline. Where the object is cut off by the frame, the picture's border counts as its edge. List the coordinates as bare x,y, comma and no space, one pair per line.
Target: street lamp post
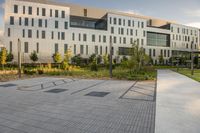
19,58
111,53
192,59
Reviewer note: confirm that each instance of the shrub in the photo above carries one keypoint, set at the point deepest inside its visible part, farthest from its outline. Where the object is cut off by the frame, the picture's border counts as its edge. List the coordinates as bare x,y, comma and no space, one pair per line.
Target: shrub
9,57
29,72
40,71
34,56
93,66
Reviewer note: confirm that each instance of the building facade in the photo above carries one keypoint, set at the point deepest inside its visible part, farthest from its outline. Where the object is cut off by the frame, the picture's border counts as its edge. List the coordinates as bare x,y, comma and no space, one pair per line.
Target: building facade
48,27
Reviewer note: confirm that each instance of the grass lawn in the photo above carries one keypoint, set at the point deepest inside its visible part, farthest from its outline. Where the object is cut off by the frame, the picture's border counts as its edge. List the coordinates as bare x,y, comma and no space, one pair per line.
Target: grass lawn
187,72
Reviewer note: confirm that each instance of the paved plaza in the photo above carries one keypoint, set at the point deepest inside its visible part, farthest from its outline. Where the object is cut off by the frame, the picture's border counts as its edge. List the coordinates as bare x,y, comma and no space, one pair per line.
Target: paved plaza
55,105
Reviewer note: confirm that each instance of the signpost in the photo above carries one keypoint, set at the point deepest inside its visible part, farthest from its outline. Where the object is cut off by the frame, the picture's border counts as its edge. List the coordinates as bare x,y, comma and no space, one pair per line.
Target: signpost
19,58
111,52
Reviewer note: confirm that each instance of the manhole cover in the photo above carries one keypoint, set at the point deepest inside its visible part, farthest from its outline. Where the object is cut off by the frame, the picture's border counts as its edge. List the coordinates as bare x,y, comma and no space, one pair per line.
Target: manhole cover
8,85
56,90
97,94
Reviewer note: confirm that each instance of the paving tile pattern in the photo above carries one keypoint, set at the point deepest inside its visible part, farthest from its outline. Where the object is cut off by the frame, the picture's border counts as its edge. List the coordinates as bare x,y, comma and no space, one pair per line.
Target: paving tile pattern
68,112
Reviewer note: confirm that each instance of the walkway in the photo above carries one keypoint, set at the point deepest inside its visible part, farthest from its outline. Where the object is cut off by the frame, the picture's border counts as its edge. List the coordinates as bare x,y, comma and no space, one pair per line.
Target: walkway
178,103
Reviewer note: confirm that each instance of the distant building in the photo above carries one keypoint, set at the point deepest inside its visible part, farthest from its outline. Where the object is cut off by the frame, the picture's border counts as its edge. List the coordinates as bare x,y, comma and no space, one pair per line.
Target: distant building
48,27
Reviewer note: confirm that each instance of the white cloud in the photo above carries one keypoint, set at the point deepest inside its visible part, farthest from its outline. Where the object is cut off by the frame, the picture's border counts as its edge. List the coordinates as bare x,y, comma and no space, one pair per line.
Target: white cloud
135,12
194,24
193,13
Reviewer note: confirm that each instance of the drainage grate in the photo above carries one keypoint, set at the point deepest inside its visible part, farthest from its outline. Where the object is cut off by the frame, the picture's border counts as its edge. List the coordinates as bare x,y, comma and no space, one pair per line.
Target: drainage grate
8,85
56,90
97,94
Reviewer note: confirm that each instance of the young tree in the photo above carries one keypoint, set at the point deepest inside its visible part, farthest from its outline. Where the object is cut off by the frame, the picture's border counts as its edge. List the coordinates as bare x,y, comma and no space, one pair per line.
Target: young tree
34,56
105,59
57,58
3,57
10,57
66,61
92,57
138,57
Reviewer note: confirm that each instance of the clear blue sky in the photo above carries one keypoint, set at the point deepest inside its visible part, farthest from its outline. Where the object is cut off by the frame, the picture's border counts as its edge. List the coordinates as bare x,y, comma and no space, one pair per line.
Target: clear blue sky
182,11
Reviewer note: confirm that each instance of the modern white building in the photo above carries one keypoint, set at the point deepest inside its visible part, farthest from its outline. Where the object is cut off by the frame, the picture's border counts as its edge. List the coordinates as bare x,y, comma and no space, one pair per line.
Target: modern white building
48,27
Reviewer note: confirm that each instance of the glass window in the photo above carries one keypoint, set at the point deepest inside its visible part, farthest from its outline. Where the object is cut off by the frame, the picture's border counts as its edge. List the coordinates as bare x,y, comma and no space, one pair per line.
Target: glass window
43,12
75,49
56,48
51,13
37,47
8,32
96,50
104,39
46,23
25,47
26,21
65,48
112,30
85,12
23,32
43,34
81,49
38,10
12,21
158,39
30,10
86,49
56,24
115,21
93,38
10,46
40,23
63,14
73,36
24,9
37,34
63,35
20,21
56,13
66,25
52,35
32,22
15,8
29,33
84,37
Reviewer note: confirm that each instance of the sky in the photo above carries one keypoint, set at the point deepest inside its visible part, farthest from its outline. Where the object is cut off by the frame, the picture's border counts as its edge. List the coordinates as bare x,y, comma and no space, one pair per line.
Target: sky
182,11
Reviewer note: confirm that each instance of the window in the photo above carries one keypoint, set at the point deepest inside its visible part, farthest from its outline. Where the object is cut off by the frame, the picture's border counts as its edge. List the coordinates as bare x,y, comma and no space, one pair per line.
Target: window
32,22
81,49
73,36
133,23
15,8
43,12
24,9
30,10
8,32
122,31
20,21
65,48
56,48
52,35
138,24
37,47
85,12
63,35
112,30
154,52
115,21
63,14
79,37
56,24
43,34
29,33
75,49
104,39
38,10
86,49
120,21
66,25
106,50
101,51
150,52
93,38
12,21
84,37
124,40
51,13
58,35
142,41
96,50
37,34
40,23
136,33
46,23
129,22
131,32
114,39
56,13
10,46
142,24
25,47
110,20
23,32
26,21
99,38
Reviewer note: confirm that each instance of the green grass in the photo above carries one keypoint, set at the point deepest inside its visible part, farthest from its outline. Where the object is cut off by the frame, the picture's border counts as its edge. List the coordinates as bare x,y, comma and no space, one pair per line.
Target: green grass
187,72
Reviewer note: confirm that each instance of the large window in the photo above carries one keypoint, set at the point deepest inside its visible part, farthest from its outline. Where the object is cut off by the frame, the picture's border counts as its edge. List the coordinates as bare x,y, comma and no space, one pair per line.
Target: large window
26,47
43,12
56,48
30,10
15,8
158,39
12,20
26,21
124,51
